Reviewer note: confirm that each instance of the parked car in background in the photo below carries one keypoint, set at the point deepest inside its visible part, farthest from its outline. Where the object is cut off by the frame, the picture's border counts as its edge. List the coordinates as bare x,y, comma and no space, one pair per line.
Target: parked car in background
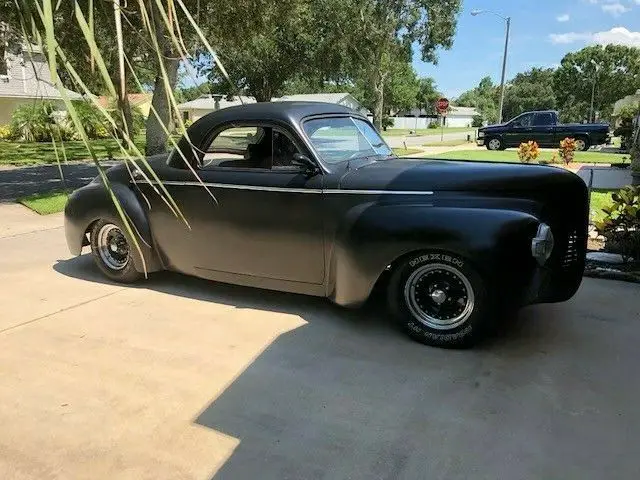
543,128
308,198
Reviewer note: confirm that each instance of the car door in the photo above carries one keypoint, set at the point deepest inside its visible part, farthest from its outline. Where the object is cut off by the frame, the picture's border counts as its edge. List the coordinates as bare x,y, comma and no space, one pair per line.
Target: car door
520,130
544,129
262,216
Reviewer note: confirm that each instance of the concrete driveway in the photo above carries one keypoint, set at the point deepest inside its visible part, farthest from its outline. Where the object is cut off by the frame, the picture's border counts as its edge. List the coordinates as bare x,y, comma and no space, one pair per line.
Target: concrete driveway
182,378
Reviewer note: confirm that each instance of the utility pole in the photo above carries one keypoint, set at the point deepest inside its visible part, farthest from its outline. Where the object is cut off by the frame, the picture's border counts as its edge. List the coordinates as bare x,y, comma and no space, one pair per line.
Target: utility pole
504,58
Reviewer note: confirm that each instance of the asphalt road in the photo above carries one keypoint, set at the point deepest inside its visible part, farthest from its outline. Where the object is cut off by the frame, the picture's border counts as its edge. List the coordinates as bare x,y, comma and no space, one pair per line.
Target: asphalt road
182,378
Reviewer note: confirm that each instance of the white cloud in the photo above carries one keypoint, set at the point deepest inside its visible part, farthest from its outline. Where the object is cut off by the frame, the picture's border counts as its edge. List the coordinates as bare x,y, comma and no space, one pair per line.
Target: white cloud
617,36
615,9
565,17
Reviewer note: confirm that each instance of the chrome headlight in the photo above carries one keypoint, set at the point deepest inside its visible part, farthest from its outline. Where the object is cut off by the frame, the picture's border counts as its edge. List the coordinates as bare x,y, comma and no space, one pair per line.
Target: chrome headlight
480,134
542,244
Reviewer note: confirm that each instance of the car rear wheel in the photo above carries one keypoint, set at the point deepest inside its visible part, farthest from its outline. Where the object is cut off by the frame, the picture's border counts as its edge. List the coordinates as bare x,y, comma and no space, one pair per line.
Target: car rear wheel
494,144
112,253
582,144
439,299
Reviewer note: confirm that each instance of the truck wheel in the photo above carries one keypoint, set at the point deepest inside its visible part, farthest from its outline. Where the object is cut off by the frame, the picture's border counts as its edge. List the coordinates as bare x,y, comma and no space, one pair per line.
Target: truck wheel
439,299
112,252
582,144
494,144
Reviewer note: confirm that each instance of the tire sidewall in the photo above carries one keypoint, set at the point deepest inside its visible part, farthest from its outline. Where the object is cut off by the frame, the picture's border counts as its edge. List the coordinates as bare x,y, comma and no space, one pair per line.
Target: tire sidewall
128,274
460,336
586,144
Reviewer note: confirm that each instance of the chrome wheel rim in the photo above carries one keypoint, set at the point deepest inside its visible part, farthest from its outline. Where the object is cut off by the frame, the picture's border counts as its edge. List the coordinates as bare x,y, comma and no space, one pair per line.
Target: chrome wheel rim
113,247
439,296
494,144
580,145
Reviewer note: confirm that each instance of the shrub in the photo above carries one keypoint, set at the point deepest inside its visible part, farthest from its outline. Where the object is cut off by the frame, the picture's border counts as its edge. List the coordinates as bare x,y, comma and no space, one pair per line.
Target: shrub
625,129
567,150
93,121
33,122
387,122
528,151
5,132
621,224
434,125
477,121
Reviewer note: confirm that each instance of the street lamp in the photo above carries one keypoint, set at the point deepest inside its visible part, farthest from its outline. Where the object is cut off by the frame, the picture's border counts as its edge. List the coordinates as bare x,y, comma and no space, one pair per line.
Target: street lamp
504,58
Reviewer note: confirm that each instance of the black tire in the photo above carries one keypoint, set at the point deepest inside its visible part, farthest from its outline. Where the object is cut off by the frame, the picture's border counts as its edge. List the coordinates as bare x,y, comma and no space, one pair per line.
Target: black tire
126,273
494,143
465,328
586,145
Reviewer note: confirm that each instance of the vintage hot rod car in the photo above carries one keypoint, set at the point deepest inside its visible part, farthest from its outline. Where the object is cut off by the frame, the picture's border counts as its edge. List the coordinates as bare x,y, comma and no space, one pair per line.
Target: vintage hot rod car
308,198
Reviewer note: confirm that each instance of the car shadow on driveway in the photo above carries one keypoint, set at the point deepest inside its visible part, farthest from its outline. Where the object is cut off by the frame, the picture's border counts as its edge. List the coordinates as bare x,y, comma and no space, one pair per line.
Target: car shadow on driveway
347,395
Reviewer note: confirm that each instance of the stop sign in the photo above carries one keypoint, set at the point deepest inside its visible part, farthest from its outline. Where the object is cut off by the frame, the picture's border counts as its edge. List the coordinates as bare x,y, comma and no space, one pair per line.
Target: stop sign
442,105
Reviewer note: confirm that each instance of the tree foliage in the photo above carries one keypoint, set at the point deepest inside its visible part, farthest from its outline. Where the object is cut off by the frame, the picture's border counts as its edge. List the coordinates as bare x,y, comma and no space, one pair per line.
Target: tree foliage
531,90
615,70
484,98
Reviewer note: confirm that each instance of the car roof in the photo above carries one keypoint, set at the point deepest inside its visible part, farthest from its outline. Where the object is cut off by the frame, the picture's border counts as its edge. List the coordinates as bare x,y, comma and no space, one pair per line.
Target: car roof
284,111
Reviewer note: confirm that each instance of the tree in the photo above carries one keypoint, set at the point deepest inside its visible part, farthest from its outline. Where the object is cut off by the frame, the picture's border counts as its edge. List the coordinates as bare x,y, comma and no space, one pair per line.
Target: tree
484,98
377,33
531,90
613,69
279,44
427,95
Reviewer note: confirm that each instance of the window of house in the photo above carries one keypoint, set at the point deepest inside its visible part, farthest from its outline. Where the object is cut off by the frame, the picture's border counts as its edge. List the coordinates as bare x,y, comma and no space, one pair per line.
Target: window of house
260,147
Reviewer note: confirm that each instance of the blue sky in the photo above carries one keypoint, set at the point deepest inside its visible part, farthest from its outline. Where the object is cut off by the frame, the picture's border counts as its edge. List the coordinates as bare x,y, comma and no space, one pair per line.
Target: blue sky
542,32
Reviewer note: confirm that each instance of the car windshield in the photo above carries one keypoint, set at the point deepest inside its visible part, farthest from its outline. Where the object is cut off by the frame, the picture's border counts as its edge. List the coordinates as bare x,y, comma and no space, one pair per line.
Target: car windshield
337,139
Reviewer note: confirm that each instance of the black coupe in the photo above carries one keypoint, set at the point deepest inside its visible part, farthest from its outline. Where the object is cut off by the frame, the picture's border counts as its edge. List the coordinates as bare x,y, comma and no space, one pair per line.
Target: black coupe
308,198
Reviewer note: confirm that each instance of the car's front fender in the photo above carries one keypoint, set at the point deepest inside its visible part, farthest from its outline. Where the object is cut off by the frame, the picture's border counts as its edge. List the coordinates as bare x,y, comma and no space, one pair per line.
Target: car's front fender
372,237
93,202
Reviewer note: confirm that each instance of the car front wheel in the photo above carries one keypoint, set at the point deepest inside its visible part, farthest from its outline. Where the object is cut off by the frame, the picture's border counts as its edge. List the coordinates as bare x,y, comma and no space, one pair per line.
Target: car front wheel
494,144
112,252
439,299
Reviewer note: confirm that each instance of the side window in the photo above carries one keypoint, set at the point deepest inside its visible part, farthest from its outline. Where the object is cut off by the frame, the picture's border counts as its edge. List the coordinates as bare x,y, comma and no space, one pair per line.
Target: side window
524,121
231,147
250,147
543,119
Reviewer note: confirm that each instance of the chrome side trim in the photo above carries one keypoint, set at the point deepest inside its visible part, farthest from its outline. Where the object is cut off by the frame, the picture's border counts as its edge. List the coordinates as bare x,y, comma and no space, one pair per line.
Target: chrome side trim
291,190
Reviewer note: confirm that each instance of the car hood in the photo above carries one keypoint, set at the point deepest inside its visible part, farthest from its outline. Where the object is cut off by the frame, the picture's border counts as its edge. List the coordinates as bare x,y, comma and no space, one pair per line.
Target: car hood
404,174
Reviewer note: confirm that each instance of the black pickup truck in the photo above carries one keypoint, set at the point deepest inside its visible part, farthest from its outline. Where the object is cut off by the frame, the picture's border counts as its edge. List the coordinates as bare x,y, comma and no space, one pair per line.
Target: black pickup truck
543,128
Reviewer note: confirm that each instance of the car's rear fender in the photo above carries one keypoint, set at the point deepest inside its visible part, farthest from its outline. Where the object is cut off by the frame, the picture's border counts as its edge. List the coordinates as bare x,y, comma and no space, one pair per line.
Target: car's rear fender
374,237
93,202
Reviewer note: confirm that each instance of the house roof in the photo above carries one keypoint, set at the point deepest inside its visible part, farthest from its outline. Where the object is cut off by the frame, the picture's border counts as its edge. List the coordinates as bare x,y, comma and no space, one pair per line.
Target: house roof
214,102
30,78
314,97
462,111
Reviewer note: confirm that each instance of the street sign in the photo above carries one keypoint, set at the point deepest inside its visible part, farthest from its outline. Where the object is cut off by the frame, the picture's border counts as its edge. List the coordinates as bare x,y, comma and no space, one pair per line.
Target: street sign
442,105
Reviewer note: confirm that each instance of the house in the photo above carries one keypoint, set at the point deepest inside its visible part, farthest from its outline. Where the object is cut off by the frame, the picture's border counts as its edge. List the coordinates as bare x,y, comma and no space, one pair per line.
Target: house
345,99
139,100
25,78
199,107
460,117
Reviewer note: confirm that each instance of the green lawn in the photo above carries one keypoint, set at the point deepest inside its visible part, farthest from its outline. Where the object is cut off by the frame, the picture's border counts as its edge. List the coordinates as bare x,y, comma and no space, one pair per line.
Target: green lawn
25,153
512,156
45,203
399,132
405,151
